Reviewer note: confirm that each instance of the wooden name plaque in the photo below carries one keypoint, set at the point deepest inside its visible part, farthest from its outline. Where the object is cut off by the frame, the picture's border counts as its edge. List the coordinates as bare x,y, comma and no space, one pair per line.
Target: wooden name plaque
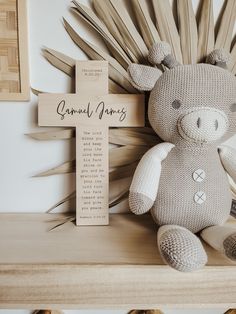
108,110
91,111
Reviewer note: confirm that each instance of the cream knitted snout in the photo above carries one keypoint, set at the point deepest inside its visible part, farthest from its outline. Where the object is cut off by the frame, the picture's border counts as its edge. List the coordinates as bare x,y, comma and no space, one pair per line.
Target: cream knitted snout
203,124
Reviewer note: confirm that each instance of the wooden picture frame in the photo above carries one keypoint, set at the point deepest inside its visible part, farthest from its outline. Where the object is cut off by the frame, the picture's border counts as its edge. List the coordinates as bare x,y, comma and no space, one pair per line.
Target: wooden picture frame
14,72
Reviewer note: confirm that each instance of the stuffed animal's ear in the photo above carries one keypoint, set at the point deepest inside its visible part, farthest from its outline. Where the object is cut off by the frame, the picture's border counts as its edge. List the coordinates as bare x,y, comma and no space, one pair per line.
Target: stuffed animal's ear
143,77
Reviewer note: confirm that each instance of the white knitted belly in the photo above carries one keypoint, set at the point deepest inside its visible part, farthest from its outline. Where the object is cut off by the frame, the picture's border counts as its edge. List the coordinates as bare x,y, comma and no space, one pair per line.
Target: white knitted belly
188,200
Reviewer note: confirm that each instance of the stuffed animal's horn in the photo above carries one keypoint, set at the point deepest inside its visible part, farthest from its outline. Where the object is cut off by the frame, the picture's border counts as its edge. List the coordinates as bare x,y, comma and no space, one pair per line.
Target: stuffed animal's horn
219,57
161,53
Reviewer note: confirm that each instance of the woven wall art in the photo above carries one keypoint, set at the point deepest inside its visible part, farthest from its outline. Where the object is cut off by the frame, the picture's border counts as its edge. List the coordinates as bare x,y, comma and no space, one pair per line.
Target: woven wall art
14,83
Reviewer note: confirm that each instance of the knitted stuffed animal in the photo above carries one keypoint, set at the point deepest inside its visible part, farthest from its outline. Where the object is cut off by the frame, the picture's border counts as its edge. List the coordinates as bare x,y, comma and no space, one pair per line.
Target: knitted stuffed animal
183,181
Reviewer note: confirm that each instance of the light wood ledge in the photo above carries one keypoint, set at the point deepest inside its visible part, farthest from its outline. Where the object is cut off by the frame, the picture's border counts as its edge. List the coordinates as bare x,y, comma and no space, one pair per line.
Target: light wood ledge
115,266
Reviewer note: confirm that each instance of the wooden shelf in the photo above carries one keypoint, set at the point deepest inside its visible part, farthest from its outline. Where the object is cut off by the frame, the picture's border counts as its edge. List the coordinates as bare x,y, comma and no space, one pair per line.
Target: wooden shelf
115,266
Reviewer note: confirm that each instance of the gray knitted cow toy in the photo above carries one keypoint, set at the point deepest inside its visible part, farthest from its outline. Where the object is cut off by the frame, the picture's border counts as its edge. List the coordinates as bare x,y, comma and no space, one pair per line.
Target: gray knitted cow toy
183,181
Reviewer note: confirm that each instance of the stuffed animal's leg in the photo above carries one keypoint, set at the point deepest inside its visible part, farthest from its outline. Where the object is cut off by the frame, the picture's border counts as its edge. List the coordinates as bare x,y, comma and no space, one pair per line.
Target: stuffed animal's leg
180,248
221,238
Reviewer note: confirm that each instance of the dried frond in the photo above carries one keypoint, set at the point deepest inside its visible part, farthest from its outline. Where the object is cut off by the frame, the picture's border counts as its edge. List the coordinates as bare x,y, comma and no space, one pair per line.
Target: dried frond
191,42
116,72
60,61
63,221
125,155
206,32
118,157
131,38
232,65
121,136
114,199
102,10
91,18
118,136
36,91
187,31
69,197
63,134
145,23
225,32
66,167
122,172
166,26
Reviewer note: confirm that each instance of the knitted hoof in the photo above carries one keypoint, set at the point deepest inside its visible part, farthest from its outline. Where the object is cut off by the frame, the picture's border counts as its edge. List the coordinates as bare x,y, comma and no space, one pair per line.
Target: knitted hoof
181,249
139,203
230,246
158,52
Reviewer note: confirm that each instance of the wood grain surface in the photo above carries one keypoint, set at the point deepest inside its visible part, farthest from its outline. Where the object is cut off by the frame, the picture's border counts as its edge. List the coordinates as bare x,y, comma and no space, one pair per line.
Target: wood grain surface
115,266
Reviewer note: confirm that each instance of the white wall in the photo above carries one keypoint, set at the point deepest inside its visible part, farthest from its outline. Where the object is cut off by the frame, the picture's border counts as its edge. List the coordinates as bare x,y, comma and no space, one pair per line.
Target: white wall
22,157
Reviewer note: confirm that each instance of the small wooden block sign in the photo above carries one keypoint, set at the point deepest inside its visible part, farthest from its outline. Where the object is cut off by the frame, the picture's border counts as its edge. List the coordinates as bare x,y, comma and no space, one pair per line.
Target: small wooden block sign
91,111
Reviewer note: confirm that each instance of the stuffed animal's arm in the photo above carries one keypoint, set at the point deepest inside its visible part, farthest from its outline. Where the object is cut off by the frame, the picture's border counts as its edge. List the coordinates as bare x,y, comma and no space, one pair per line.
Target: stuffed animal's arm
228,159
144,186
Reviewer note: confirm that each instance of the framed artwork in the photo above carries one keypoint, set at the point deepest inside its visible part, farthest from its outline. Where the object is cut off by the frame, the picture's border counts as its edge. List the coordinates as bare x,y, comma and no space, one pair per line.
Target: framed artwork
14,69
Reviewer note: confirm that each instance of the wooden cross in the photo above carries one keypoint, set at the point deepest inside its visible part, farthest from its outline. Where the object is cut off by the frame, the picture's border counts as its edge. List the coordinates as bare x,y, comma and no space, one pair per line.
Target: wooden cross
91,111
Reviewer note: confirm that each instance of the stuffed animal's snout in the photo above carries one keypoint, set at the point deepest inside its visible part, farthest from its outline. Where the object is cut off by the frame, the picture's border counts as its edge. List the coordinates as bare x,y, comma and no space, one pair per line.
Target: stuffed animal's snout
203,124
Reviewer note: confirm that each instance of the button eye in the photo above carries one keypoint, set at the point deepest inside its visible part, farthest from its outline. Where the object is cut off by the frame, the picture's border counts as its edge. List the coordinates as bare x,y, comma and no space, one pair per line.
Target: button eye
176,104
233,107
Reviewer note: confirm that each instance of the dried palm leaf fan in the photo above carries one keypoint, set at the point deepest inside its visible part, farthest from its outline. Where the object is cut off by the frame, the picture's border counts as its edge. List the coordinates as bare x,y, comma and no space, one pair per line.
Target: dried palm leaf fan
191,40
